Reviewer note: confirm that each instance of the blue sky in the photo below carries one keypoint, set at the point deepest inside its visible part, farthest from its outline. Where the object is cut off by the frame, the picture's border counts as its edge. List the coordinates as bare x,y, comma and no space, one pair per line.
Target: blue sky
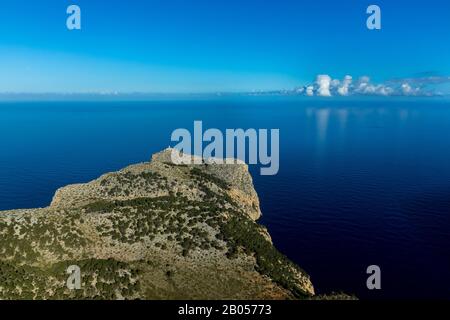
216,45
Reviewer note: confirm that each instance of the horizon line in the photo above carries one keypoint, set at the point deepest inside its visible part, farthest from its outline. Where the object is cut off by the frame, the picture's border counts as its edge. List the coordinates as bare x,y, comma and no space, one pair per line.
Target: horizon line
139,94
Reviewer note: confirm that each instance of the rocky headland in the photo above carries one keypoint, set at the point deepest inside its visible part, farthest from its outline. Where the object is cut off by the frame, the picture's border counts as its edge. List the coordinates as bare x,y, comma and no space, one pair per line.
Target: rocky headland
153,230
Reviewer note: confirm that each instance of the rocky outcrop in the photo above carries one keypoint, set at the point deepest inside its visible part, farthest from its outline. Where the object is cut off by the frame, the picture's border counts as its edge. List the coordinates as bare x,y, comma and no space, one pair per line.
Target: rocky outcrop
155,230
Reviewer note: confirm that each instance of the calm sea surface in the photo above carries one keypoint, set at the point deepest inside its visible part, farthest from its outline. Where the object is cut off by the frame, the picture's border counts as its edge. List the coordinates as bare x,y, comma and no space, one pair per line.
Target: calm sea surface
360,182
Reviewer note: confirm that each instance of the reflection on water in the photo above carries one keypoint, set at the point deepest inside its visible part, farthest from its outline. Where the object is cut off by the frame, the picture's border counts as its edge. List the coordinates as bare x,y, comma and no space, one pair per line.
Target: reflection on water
342,116
322,117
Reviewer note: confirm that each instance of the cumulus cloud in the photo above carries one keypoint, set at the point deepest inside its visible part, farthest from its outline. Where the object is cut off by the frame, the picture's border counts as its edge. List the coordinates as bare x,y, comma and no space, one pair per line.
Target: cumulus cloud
326,86
344,88
406,89
323,83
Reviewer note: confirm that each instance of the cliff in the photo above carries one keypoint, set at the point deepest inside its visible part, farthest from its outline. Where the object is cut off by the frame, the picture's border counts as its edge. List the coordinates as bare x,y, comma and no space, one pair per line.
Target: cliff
153,230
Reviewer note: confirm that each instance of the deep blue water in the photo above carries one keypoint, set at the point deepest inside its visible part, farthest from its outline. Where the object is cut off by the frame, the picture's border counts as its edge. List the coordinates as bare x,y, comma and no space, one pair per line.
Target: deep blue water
360,182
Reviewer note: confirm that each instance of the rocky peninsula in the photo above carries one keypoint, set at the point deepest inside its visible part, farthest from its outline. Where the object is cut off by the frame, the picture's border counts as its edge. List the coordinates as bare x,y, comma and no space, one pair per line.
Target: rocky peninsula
154,230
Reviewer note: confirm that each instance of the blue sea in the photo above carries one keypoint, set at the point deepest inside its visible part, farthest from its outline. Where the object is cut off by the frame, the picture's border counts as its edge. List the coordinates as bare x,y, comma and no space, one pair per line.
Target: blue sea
361,182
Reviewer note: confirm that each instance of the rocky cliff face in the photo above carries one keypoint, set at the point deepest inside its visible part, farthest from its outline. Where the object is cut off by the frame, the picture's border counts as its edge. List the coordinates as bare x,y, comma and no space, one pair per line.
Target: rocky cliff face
154,230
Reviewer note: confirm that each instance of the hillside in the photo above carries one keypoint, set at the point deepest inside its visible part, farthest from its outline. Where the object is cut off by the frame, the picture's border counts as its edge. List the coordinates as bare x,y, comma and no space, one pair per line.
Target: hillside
153,230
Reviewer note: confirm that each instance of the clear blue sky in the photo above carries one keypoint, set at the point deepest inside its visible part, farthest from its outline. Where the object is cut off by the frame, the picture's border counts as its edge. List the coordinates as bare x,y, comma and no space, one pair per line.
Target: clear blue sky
215,45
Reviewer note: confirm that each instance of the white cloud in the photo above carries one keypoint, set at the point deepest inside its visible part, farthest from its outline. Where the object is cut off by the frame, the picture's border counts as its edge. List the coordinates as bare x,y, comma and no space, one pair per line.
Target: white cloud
343,90
406,89
323,82
326,86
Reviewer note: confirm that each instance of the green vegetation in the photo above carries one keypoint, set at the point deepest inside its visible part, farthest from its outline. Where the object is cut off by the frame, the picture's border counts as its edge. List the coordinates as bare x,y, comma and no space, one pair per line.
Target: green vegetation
122,184
175,219
202,177
242,233
23,242
101,279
